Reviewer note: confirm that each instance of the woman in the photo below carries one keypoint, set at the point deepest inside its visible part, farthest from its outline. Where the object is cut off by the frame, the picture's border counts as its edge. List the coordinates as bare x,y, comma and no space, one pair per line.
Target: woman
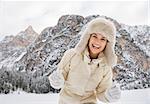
85,72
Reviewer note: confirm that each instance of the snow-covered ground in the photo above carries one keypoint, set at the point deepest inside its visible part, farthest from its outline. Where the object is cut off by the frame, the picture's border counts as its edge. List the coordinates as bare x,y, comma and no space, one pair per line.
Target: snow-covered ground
128,97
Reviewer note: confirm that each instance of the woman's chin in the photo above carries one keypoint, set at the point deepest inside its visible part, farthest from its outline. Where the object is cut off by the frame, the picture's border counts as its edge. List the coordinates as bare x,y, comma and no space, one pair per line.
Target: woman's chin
95,52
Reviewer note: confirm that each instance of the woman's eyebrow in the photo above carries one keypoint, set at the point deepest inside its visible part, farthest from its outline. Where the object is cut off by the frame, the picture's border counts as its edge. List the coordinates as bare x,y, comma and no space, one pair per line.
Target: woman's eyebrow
104,37
94,34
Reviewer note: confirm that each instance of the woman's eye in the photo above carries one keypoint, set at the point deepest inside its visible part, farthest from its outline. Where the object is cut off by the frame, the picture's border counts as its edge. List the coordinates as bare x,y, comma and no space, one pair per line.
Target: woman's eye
95,36
103,39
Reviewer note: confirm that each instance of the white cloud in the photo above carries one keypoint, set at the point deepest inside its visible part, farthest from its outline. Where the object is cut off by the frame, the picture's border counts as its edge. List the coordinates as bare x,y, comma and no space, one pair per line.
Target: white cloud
16,16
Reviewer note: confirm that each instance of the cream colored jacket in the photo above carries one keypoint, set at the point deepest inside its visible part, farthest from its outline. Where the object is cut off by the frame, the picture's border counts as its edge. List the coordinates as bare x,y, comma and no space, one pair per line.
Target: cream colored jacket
86,80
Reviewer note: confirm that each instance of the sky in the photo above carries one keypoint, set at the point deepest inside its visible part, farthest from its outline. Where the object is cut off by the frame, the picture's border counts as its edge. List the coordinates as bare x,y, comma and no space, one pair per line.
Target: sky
16,16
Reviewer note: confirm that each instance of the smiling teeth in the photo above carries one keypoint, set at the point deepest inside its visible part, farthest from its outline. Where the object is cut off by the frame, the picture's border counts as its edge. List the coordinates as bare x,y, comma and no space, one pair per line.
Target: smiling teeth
97,46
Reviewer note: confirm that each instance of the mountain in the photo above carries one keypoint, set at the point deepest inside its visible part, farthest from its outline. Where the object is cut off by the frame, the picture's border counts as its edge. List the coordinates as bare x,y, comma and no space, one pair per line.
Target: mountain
40,57
11,47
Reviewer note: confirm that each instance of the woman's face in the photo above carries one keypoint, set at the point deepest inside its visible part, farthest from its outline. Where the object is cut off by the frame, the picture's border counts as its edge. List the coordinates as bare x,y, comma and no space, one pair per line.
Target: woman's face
97,43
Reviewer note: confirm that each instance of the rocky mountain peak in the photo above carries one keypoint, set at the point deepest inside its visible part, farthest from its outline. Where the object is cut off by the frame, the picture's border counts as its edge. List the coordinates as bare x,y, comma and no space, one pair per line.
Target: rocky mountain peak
29,30
11,47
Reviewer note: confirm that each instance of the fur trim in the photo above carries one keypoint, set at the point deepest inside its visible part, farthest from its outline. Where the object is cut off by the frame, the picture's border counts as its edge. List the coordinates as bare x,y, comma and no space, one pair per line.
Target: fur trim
107,29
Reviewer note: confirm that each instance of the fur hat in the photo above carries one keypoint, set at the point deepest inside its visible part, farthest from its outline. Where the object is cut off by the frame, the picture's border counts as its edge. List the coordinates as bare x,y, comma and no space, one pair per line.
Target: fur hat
108,30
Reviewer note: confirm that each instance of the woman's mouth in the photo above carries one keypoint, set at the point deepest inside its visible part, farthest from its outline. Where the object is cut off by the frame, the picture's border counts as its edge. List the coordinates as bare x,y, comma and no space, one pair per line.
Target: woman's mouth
95,46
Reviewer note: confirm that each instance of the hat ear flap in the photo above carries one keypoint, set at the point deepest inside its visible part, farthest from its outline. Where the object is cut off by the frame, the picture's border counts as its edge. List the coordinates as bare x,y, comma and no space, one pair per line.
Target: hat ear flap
110,55
83,42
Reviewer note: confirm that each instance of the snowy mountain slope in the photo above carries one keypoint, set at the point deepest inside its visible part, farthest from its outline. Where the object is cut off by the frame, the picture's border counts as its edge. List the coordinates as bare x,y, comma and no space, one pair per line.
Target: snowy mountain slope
127,97
12,47
140,35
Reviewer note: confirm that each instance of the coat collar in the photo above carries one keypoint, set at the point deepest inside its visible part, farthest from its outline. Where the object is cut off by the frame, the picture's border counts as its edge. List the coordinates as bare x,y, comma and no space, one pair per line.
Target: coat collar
87,59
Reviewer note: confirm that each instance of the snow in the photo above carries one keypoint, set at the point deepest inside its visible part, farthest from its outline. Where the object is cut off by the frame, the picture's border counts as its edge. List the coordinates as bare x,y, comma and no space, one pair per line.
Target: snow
128,97
23,53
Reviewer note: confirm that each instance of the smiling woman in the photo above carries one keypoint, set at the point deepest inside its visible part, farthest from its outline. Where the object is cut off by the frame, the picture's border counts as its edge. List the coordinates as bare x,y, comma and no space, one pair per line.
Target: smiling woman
85,72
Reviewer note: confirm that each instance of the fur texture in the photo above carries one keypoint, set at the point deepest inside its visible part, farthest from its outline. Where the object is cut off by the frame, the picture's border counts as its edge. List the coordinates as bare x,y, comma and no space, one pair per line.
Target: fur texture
108,30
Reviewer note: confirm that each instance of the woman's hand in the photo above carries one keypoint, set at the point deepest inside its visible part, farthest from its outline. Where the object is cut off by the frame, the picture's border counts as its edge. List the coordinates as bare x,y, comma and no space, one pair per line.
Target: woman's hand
114,93
56,79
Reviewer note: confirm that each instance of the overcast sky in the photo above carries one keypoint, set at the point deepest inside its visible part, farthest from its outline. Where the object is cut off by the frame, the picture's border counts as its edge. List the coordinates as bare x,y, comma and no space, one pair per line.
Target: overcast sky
16,16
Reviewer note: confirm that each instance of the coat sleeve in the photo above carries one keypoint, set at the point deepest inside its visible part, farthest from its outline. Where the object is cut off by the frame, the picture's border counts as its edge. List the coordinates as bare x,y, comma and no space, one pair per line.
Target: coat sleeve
64,64
104,85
